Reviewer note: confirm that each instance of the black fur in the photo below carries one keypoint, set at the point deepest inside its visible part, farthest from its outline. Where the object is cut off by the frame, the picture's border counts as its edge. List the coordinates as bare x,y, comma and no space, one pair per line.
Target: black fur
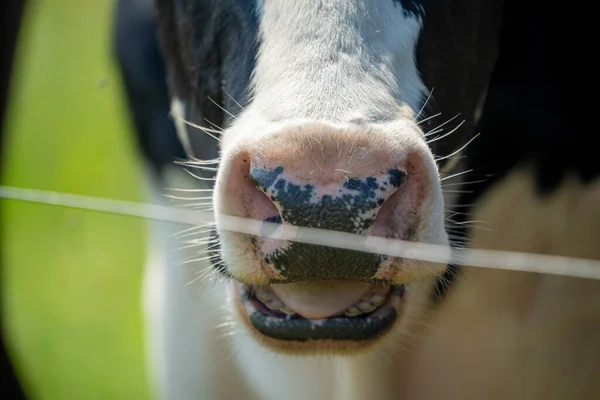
523,121
209,47
143,76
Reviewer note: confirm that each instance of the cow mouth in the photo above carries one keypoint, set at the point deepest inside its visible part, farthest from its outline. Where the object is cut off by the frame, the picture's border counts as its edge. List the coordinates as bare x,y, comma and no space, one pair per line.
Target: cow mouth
276,312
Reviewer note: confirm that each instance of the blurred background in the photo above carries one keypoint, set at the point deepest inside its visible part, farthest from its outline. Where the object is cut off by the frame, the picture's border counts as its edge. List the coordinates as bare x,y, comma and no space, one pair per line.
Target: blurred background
71,279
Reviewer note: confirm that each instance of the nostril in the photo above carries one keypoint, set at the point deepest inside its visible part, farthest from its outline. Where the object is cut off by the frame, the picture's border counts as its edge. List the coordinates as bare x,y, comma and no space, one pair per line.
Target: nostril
397,177
263,180
244,191
276,219
401,213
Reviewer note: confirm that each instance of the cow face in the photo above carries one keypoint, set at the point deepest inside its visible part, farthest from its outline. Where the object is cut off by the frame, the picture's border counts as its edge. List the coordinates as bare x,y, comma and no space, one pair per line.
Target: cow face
323,108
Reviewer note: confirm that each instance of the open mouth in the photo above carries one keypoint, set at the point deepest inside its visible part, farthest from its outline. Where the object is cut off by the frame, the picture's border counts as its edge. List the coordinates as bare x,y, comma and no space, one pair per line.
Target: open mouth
309,311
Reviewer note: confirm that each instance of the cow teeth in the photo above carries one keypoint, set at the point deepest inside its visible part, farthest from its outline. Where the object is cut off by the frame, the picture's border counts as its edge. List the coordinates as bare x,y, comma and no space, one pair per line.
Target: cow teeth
264,297
274,304
377,299
366,306
287,310
353,311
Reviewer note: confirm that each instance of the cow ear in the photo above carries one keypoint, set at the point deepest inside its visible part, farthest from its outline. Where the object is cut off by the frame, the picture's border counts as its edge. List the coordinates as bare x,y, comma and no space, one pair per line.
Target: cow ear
187,32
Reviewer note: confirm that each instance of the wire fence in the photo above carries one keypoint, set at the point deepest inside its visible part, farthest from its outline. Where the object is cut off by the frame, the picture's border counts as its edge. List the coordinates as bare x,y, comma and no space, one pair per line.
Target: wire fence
507,260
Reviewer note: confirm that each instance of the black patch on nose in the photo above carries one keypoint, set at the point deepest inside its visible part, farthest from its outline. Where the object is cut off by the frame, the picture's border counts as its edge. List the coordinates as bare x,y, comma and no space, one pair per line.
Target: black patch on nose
353,210
263,179
301,261
397,177
345,212
365,187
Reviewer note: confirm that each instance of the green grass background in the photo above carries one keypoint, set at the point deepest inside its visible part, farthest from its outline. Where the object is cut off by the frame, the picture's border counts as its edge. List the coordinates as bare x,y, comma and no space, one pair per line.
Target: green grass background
71,278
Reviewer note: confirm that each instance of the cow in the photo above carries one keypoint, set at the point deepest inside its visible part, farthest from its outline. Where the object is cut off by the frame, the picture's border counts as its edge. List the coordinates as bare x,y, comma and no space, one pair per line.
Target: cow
325,114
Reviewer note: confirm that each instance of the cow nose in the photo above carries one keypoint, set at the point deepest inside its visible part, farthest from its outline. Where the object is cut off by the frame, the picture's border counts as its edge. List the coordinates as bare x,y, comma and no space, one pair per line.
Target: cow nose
332,200
326,179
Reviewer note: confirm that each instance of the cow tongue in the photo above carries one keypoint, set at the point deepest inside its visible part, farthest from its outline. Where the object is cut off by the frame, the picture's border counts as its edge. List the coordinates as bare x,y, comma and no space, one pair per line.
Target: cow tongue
320,299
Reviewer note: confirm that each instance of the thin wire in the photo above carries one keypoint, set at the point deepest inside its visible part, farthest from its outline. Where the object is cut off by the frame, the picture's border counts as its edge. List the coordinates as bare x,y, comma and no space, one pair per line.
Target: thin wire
508,260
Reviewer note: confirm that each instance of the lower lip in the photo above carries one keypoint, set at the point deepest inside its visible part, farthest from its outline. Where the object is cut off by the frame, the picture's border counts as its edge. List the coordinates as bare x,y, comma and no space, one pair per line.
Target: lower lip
364,328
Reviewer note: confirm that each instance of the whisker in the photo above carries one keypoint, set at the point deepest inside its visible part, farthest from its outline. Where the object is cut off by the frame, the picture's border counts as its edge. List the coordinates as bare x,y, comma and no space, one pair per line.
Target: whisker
459,213
201,162
424,104
456,174
435,139
215,126
469,222
428,118
234,100
169,196
208,131
203,240
191,232
457,151
199,177
222,108
442,124
196,166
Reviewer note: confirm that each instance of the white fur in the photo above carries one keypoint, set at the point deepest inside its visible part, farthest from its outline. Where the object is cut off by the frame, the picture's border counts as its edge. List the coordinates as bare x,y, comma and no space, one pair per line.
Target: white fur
336,60
344,62
174,313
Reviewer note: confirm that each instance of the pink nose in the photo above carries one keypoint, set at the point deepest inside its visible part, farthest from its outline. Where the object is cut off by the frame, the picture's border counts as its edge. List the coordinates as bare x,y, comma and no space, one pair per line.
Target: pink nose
326,184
